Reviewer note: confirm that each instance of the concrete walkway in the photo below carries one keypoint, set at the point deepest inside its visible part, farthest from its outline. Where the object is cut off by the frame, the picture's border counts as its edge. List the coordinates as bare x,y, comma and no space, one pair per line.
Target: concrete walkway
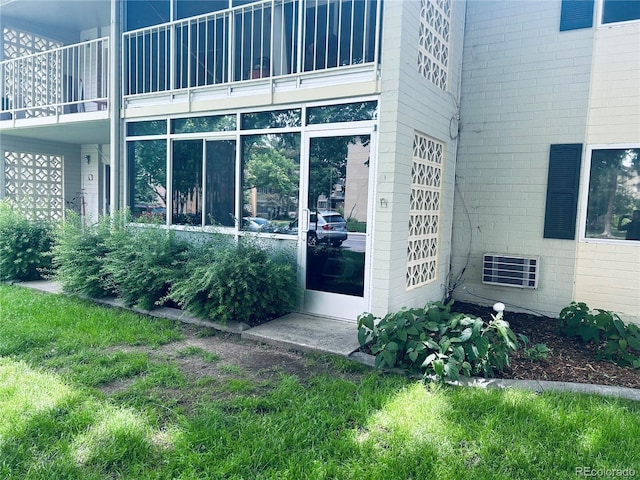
309,333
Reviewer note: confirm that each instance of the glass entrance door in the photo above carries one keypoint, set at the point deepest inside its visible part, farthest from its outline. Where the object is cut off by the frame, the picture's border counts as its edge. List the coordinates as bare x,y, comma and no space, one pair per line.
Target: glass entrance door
334,224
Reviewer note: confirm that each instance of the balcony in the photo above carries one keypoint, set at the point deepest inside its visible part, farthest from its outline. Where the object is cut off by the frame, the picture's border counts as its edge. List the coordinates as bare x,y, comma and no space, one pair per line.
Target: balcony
60,81
267,46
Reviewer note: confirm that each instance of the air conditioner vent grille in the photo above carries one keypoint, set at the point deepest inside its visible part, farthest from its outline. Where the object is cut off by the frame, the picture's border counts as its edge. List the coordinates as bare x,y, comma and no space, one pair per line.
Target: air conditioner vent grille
510,271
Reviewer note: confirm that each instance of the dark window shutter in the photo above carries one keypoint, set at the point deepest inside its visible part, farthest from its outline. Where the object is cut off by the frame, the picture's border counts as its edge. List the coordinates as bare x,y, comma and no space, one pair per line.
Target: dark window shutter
562,191
576,14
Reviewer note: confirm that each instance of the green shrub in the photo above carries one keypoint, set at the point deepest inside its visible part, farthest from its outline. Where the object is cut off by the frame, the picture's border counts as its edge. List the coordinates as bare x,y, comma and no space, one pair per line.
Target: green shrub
617,341
78,254
240,282
435,340
24,246
536,352
142,263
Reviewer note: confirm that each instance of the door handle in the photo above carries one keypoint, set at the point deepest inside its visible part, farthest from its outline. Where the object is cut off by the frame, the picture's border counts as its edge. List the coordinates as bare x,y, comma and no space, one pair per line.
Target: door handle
305,220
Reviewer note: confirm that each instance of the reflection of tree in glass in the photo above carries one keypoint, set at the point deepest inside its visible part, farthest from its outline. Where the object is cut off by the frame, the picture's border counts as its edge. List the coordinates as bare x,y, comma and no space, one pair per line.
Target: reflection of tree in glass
149,172
214,123
349,112
612,189
272,165
271,119
328,164
187,181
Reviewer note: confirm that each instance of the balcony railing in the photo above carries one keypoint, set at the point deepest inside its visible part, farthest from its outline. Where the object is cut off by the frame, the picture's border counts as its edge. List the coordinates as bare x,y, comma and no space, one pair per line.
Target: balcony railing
272,38
63,80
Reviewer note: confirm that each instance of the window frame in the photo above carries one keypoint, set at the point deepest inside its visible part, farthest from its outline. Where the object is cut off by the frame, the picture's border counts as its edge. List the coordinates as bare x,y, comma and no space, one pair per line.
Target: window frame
584,197
600,16
237,135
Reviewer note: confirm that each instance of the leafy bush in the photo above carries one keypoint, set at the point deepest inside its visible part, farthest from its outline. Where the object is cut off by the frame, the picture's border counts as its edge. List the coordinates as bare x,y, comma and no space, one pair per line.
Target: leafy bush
24,246
617,341
240,282
536,352
142,262
437,341
79,252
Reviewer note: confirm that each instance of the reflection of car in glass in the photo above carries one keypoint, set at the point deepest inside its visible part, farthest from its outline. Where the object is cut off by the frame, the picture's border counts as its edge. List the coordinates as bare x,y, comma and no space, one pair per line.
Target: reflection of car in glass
324,227
257,224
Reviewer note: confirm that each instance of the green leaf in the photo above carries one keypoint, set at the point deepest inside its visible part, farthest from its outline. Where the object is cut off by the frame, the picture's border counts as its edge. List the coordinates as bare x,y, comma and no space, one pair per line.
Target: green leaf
438,367
634,343
362,336
432,326
458,352
431,344
451,371
367,321
402,334
389,358
466,334
427,361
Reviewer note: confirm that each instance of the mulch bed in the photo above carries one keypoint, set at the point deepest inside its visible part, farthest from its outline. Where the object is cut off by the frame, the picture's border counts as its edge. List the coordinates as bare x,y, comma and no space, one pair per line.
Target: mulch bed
569,361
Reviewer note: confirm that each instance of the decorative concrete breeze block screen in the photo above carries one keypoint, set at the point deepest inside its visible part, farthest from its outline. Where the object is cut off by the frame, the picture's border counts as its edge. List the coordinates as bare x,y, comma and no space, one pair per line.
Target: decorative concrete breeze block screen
424,210
433,49
33,184
28,83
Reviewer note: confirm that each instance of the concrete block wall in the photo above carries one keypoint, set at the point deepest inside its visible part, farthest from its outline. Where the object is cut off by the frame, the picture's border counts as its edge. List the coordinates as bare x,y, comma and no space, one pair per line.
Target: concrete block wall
71,183
408,103
525,86
608,272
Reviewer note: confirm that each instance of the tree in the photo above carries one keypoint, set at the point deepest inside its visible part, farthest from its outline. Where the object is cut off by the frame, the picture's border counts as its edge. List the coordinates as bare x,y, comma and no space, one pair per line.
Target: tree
149,172
610,193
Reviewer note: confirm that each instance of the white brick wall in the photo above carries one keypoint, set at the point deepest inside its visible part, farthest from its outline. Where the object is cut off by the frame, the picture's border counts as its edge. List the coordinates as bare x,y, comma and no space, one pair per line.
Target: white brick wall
410,102
608,275
525,86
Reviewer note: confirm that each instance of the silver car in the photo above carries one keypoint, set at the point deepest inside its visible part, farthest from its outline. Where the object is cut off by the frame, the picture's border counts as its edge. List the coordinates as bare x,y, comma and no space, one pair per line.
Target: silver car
326,227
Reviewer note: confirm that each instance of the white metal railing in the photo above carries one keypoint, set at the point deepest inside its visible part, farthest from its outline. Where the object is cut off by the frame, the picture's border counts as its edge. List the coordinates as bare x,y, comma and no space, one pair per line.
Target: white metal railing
63,80
268,38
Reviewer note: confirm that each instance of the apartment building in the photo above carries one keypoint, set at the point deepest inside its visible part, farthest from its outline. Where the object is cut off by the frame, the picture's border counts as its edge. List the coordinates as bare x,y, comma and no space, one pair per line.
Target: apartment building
466,145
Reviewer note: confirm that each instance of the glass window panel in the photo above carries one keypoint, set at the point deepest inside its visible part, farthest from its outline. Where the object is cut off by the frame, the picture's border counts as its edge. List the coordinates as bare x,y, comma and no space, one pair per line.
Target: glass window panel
152,127
144,13
272,119
349,112
338,198
186,188
147,160
220,183
613,209
271,177
620,11
192,8
215,123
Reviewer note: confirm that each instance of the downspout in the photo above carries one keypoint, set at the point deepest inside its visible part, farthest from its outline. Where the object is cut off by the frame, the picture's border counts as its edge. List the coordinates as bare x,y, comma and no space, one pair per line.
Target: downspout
454,282
115,101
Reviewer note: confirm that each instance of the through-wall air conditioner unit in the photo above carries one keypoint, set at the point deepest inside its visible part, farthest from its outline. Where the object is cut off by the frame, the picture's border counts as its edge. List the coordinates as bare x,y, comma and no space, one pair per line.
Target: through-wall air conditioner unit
510,270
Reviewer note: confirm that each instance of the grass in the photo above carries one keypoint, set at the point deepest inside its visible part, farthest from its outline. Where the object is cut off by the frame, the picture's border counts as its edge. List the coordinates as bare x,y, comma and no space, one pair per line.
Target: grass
61,418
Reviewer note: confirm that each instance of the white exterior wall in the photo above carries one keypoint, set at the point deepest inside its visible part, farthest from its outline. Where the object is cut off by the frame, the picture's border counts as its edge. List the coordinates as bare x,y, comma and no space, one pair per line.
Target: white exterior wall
92,179
608,274
410,102
525,86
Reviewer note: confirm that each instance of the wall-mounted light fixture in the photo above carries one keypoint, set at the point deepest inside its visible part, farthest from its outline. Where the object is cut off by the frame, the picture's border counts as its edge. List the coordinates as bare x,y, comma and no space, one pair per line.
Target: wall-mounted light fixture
88,159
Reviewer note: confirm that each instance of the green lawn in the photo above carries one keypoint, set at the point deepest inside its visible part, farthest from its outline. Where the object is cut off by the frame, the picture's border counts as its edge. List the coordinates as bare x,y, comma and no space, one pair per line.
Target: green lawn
59,418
